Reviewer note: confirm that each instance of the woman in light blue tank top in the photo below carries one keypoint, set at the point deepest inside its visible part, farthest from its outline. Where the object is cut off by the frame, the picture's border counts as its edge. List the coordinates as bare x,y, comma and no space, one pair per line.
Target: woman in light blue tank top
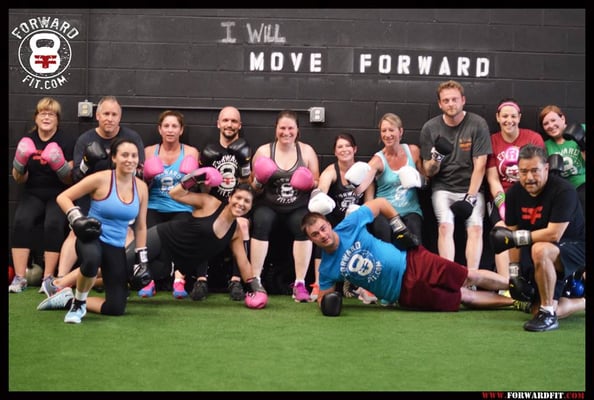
397,178
117,197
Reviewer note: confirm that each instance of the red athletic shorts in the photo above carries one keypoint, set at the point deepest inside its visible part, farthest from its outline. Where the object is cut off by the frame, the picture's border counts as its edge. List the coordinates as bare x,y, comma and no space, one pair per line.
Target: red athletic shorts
431,282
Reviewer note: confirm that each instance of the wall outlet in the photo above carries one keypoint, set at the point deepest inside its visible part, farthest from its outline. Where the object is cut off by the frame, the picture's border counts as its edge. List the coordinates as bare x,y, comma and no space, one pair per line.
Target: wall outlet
317,114
85,109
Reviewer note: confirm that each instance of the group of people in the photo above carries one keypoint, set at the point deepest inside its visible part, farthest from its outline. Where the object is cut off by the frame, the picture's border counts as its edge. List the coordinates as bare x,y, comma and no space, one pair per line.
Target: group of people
141,215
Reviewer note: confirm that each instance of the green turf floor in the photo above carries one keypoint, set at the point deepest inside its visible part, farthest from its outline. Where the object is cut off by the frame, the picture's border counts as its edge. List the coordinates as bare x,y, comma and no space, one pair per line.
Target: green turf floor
163,344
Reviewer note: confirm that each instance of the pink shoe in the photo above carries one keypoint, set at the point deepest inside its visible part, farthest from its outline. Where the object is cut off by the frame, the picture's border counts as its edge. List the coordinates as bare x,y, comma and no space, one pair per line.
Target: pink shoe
148,291
300,293
179,290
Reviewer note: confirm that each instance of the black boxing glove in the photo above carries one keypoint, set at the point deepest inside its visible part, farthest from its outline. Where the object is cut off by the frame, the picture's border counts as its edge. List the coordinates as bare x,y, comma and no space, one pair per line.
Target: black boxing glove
555,164
463,208
92,154
86,229
243,154
403,238
576,133
141,274
503,238
331,304
209,155
441,149
520,289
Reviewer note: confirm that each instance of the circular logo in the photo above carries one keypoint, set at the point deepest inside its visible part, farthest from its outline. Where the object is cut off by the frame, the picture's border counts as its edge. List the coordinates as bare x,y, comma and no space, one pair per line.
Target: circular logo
45,54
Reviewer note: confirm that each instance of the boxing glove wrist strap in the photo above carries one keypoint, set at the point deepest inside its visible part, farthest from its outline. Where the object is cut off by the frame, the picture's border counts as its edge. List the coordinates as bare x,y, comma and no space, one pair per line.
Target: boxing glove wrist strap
73,214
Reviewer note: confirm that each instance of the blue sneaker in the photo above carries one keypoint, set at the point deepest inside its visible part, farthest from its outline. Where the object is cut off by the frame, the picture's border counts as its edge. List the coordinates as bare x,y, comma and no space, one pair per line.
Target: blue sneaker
148,291
76,313
57,301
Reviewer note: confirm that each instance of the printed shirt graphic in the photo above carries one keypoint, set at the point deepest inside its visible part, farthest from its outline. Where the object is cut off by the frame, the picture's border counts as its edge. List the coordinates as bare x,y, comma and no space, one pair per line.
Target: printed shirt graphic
343,196
363,260
574,166
505,155
558,202
279,194
159,198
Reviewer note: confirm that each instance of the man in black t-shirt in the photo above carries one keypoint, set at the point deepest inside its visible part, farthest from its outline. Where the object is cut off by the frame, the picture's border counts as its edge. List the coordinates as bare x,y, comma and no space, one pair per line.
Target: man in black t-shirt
545,234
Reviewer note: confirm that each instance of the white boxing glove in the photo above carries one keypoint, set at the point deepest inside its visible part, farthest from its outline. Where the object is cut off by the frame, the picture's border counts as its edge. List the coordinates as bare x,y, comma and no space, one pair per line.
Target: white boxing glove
320,202
410,177
357,173
351,208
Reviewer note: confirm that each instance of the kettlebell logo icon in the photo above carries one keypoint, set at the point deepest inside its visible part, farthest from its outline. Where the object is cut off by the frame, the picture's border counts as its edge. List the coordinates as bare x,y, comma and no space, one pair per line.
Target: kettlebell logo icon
44,59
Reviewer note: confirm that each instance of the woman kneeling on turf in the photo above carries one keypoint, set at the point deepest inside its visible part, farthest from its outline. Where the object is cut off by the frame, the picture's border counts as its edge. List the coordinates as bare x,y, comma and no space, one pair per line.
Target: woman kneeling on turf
209,231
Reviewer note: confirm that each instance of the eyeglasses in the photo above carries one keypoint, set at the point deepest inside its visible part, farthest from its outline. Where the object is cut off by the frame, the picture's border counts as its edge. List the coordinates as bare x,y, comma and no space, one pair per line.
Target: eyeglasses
533,171
48,114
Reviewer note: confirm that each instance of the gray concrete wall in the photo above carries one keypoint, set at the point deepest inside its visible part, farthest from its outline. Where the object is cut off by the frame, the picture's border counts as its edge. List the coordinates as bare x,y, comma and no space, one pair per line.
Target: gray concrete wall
357,64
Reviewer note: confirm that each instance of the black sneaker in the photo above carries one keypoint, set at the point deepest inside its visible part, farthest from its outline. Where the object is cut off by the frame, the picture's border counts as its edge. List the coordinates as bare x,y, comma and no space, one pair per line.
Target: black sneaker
544,321
200,290
236,292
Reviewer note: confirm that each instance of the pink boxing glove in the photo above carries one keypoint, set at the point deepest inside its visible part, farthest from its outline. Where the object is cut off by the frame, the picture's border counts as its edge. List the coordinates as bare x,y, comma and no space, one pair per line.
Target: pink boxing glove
152,167
264,167
188,165
256,300
208,175
302,179
25,149
54,156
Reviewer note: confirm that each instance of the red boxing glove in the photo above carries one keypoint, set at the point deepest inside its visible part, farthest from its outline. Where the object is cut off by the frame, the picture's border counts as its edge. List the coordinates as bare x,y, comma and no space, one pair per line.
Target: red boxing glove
152,167
25,149
302,179
264,167
188,165
54,156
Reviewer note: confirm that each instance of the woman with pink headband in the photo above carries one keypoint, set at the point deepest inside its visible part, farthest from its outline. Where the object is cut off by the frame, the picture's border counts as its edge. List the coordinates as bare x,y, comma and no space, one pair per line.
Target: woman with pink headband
502,165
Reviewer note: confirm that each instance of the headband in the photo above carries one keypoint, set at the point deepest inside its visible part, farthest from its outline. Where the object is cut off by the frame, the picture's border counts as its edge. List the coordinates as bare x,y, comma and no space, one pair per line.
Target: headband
509,103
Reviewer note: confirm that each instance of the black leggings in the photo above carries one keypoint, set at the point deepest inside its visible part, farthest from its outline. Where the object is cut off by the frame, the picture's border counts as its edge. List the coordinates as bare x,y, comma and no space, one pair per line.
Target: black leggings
265,217
114,272
30,211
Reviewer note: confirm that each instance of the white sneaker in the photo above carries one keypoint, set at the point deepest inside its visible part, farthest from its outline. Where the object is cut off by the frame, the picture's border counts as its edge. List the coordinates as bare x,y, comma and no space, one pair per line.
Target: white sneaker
366,296
76,313
18,284
57,301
